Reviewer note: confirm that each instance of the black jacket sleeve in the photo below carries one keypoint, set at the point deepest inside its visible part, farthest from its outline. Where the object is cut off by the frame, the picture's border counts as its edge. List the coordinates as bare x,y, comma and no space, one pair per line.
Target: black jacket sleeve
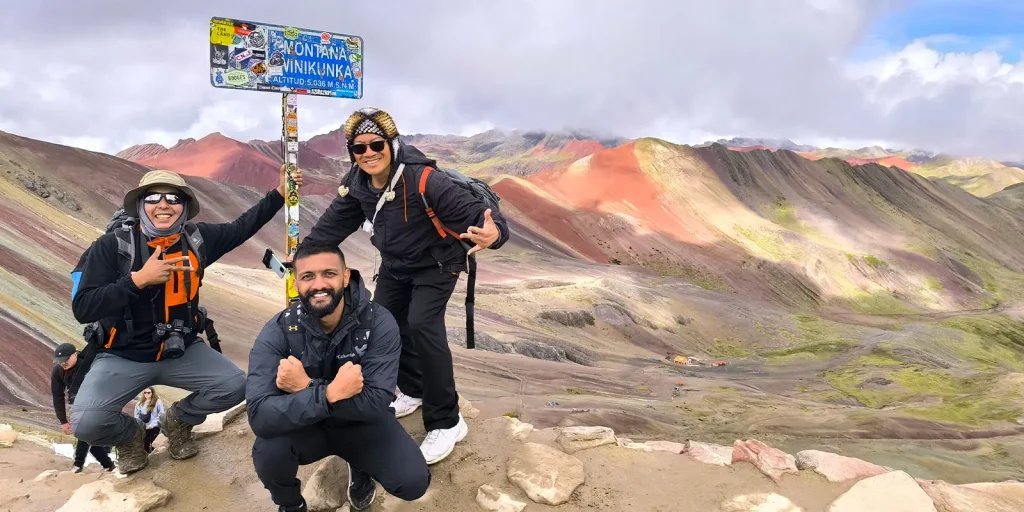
57,390
85,358
342,218
380,373
458,209
271,411
101,293
221,239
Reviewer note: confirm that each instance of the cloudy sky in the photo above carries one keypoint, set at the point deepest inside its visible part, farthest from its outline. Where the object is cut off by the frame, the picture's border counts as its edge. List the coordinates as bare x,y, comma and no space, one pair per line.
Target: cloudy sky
937,74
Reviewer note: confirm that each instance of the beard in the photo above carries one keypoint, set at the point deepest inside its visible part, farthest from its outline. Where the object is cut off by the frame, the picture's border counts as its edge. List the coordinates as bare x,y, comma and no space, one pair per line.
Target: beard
319,312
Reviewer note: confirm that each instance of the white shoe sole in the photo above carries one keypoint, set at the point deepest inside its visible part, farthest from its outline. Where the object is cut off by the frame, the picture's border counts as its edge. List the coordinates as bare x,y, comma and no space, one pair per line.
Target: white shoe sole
462,435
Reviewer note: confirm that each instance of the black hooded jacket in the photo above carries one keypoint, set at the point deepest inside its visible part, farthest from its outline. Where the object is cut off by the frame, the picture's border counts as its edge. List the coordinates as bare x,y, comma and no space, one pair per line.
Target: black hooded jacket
402,231
273,412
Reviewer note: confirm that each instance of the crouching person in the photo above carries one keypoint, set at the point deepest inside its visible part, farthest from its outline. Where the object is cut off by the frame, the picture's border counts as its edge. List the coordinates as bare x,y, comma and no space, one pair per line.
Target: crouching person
142,279
322,376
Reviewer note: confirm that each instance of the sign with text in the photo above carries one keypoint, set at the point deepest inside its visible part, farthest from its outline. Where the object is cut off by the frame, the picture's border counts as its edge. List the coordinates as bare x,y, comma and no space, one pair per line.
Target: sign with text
263,57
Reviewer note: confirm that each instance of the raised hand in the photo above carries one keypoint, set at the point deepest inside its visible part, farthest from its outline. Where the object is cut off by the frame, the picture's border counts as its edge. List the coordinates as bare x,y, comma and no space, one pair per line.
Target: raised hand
297,176
291,376
483,237
158,271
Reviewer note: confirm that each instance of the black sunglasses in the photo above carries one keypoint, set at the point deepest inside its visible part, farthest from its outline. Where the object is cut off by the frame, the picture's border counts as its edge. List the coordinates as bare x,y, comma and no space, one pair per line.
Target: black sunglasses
377,146
171,197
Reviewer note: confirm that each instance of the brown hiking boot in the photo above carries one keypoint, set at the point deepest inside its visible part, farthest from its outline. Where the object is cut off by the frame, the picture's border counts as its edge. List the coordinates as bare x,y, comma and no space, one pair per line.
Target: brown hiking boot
131,455
182,446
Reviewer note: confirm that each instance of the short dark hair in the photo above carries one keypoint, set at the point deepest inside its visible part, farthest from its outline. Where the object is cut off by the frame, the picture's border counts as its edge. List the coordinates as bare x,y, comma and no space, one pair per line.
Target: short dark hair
308,247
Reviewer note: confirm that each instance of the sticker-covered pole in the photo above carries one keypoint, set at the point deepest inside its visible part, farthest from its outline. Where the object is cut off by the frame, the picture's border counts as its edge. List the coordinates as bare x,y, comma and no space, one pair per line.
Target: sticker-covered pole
290,150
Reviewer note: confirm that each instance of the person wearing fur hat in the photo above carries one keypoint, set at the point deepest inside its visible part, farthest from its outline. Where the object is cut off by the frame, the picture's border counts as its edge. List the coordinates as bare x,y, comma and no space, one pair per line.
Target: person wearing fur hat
140,281
421,261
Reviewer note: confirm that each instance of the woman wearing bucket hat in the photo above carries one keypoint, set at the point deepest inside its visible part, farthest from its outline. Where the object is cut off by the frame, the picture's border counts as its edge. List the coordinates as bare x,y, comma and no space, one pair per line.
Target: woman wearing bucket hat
421,259
142,279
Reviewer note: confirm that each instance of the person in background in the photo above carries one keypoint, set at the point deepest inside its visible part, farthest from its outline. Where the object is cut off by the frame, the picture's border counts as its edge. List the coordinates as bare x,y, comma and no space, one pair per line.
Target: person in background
69,368
149,410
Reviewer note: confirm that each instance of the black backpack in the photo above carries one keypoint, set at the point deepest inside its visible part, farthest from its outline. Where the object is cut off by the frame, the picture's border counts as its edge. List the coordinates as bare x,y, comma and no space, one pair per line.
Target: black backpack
124,226
481,191
294,332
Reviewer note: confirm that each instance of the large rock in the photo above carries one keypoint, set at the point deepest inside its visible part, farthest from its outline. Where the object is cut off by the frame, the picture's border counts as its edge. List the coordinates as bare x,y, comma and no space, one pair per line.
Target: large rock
327,486
516,430
837,468
7,436
496,501
132,495
707,453
1010,490
771,461
215,422
545,474
574,439
760,502
895,491
954,498
666,446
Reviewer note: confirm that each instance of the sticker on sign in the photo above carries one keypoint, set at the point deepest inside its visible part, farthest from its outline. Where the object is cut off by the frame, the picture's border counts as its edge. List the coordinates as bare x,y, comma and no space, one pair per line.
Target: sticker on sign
283,58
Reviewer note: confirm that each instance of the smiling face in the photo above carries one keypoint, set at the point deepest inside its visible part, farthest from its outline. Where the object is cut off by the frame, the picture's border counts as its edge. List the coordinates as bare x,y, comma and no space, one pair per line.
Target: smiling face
377,158
163,205
320,280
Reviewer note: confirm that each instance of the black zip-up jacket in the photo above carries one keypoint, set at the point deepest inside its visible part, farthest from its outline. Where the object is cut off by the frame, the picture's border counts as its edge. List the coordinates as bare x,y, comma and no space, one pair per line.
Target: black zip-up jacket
103,294
65,383
402,231
272,412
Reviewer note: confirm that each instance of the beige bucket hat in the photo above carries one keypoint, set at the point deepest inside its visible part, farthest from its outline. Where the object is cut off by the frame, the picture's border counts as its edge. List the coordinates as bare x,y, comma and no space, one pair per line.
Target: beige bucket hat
157,178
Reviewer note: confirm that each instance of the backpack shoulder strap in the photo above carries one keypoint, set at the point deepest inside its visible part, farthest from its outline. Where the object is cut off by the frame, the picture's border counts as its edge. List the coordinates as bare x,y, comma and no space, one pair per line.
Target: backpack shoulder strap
293,331
125,235
362,333
442,230
194,239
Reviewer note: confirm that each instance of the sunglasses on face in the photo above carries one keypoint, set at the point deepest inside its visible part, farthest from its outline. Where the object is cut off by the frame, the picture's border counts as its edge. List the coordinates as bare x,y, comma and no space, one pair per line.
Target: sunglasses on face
170,197
377,146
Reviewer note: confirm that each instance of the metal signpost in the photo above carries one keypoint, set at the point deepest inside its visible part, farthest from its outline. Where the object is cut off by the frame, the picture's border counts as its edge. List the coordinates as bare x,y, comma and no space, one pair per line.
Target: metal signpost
290,61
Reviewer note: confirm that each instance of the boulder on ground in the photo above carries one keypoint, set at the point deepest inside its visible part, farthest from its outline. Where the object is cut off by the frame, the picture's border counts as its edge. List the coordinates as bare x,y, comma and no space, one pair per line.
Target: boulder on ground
46,475
1010,489
666,446
496,501
895,491
327,487
216,422
7,436
837,468
545,474
466,408
707,453
132,495
760,502
574,439
954,498
516,430
771,461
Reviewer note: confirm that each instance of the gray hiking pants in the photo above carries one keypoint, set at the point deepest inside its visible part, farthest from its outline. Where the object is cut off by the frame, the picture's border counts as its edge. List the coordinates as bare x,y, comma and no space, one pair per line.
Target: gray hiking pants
215,382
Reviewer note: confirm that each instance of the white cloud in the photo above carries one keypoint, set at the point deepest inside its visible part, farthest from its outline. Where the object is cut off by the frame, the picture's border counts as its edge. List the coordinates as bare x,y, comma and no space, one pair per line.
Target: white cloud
676,69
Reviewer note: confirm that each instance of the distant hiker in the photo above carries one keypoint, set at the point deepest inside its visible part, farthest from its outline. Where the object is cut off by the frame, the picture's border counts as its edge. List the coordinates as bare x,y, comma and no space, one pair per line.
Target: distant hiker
144,281
149,410
422,252
322,374
70,366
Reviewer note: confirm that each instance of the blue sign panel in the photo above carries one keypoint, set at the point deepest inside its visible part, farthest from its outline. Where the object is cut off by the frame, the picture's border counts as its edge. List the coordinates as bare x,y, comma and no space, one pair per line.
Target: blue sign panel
262,57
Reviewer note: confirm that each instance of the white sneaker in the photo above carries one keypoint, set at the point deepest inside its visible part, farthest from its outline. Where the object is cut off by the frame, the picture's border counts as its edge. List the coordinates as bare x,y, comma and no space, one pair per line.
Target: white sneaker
440,442
405,405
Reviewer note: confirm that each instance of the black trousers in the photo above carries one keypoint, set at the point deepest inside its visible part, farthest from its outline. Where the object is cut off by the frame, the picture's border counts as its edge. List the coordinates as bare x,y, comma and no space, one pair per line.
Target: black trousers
99,452
382,449
151,434
425,368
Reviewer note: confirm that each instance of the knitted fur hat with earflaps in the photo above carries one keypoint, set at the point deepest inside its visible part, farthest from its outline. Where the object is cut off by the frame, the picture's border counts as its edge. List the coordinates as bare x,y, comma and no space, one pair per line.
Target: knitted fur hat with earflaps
372,120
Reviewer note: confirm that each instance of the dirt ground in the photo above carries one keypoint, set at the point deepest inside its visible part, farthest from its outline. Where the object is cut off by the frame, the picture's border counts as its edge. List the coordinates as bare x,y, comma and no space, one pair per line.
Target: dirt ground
221,477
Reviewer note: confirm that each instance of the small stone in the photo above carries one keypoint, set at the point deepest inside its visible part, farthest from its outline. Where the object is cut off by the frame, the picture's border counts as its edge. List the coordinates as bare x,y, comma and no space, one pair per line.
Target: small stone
837,468
545,474
7,436
771,461
216,422
666,446
574,439
46,475
496,501
327,487
466,408
760,502
895,491
134,495
516,430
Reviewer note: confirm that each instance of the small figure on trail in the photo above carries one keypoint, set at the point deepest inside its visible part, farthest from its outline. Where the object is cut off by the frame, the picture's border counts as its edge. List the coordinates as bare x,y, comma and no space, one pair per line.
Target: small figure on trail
426,226
140,282
322,375
149,410
69,368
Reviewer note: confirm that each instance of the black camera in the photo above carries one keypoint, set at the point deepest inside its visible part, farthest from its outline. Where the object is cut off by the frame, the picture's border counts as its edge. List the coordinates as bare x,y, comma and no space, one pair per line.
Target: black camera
172,335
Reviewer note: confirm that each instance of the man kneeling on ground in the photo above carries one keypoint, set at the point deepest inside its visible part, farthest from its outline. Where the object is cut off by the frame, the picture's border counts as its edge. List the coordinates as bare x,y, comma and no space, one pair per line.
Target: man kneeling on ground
322,375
